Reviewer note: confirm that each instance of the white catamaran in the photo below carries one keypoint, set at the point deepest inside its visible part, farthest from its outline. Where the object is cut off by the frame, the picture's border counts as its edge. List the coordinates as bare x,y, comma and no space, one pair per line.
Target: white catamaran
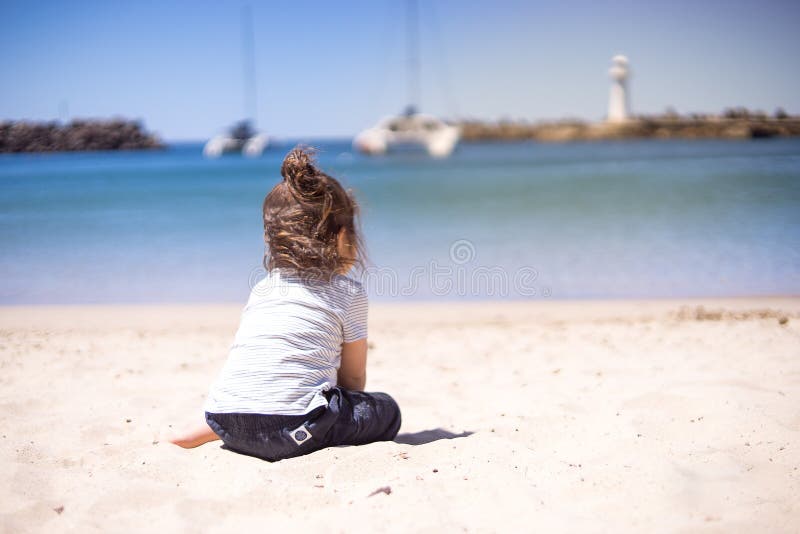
411,129
243,138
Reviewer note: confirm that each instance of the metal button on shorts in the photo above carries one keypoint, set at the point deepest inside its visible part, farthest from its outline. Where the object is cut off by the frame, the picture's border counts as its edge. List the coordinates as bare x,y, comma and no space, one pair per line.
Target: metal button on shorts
300,434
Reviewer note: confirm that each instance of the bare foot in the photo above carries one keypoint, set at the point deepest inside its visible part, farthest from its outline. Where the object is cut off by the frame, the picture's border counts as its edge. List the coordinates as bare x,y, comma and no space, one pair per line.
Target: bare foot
193,437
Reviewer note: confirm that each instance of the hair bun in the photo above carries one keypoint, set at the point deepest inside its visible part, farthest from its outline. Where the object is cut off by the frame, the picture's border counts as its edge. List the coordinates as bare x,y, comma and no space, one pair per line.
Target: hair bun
301,174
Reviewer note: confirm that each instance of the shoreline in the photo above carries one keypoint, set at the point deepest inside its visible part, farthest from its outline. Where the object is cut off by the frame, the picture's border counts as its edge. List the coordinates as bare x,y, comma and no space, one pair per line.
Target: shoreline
745,125
21,315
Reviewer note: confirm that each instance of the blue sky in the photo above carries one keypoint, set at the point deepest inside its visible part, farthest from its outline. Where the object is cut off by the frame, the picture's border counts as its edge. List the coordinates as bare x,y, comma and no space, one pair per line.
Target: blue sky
331,68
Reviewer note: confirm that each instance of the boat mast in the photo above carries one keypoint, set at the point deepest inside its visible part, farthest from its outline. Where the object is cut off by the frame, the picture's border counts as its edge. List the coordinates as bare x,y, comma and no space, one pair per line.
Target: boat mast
249,66
412,52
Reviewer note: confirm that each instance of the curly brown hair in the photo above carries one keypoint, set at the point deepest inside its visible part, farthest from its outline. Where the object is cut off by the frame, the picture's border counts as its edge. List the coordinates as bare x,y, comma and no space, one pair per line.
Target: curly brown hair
305,217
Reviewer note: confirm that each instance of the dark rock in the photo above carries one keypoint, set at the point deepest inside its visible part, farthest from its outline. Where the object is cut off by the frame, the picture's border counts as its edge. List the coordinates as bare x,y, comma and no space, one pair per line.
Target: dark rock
79,135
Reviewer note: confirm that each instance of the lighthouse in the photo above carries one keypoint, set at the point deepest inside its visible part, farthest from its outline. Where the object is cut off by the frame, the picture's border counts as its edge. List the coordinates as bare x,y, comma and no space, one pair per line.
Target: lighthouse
618,98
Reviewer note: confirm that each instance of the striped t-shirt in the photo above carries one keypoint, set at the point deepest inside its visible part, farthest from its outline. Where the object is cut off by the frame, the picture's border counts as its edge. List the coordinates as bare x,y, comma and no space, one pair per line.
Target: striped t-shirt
288,347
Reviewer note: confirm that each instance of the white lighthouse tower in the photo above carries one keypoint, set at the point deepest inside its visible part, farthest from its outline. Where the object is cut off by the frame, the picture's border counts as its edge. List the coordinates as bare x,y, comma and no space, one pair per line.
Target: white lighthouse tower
618,98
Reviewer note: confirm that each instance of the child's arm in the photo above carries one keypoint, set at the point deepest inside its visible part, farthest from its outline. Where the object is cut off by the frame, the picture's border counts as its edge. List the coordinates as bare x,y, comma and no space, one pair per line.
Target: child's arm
353,369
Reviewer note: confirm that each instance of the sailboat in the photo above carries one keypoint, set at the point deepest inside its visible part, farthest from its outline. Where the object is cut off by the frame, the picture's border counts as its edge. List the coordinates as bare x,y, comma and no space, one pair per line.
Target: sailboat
242,137
411,129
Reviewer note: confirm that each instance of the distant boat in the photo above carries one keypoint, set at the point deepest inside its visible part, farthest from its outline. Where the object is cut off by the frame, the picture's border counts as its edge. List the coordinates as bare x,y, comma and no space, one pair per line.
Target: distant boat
411,129
242,138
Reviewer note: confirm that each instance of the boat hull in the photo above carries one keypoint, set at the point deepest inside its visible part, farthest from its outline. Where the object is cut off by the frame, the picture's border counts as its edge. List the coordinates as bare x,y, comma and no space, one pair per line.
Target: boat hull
252,147
416,132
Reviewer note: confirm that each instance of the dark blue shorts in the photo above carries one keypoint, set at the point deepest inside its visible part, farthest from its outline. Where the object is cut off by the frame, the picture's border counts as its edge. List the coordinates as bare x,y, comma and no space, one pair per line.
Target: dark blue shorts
350,418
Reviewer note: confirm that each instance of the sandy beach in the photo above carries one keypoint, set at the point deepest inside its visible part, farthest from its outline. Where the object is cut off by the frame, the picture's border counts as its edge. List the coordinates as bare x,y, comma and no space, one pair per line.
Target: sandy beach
626,416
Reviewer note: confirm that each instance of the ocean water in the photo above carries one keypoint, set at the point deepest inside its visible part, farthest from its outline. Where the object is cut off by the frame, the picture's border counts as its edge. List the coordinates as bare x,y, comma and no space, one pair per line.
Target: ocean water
502,221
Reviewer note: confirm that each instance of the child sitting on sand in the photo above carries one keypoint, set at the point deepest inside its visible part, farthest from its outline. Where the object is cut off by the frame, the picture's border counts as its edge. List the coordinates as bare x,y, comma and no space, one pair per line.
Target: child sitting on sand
294,379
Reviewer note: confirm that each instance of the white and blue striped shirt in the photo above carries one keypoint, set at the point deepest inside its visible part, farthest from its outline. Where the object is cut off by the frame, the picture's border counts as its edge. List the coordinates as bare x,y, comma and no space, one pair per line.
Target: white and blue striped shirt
288,347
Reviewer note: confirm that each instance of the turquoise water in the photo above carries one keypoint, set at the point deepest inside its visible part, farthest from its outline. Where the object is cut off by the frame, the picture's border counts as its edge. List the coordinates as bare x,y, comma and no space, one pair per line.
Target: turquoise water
523,220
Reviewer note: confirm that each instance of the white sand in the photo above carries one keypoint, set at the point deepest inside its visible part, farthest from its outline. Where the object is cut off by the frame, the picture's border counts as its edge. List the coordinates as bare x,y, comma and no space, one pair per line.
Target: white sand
576,416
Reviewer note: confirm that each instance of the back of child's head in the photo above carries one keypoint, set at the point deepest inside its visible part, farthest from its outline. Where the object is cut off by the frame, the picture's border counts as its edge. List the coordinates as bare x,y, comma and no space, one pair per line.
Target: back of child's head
310,221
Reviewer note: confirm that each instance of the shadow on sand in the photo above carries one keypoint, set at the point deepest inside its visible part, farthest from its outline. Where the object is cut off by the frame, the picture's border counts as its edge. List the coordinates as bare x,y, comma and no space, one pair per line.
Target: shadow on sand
427,436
